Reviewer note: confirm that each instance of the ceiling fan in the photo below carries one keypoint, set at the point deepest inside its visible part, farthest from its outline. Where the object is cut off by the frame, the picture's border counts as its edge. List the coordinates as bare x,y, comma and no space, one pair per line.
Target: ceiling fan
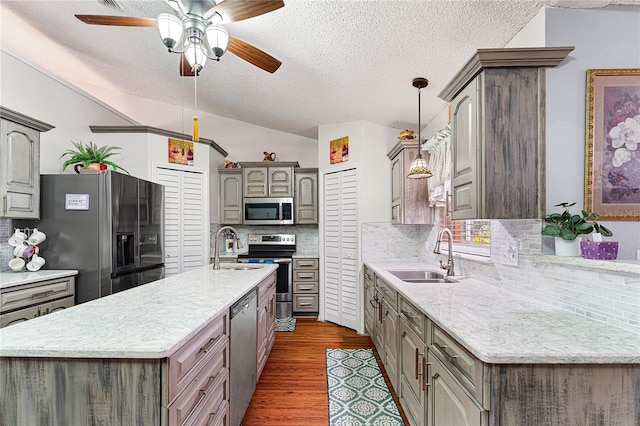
194,30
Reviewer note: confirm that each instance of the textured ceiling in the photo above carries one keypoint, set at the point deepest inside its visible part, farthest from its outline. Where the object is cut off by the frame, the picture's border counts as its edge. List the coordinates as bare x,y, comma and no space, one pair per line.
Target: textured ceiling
343,60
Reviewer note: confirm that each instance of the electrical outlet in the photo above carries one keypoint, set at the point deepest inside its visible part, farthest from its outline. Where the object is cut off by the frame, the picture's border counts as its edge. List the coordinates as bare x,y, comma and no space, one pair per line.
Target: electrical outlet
511,252
315,240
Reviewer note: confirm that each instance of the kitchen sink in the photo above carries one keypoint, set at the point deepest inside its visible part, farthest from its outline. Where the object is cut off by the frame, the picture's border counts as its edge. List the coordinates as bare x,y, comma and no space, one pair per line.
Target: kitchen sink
420,276
240,268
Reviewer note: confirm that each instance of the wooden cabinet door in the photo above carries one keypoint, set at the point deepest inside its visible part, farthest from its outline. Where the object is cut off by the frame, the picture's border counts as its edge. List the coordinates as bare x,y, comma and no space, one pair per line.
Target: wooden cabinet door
255,182
263,335
448,403
412,394
19,171
391,336
19,316
370,307
465,152
280,182
397,188
231,197
306,198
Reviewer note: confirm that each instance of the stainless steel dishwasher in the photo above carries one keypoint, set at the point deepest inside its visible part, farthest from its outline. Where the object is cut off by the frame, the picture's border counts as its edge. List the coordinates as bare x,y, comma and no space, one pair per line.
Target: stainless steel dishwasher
243,355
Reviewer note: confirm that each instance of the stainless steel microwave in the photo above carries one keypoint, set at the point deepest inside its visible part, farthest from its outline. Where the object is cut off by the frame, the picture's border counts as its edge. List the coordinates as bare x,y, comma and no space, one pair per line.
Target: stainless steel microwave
268,211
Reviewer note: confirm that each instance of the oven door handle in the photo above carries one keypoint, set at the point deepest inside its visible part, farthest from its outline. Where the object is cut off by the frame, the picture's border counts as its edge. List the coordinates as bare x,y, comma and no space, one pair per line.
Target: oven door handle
283,261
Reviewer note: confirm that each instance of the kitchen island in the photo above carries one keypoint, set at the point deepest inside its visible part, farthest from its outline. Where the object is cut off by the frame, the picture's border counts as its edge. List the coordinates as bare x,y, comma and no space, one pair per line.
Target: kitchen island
128,358
470,350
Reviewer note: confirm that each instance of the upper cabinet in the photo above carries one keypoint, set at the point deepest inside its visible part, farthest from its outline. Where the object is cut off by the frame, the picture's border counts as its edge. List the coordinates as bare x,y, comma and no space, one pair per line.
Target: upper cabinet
20,164
306,196
498,133
268,179
409,197
230,196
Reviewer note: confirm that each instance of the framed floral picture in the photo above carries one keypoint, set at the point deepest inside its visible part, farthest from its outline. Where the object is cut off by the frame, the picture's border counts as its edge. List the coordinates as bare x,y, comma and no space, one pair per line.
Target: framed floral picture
612,154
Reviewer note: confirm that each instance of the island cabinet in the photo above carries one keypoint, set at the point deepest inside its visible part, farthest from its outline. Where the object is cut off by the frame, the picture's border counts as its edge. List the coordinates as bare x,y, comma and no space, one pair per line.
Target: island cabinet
498,133
230,199
266,321
268,179
20,164
306,196
30,300
409,197
190,387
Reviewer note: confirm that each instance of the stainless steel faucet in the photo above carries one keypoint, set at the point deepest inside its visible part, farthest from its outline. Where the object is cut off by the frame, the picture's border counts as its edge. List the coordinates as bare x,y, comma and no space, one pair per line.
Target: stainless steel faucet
449,266
216,252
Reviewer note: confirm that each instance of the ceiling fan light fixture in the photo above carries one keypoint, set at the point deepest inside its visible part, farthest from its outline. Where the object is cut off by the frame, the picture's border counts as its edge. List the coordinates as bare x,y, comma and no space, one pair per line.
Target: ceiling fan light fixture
218,40
196,56
170,29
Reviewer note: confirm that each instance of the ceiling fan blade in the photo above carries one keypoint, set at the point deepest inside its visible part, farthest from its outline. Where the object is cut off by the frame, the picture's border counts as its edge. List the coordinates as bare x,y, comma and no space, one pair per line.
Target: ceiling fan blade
186,70
237,10
120,21
253,55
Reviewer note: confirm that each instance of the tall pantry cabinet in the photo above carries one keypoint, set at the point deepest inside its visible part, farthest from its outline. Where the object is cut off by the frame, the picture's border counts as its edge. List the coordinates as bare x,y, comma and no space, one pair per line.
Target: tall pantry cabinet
498,133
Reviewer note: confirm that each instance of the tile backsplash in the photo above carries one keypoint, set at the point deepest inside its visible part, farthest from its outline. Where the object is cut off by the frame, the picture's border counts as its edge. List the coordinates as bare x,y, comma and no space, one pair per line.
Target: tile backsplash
306,236
607,296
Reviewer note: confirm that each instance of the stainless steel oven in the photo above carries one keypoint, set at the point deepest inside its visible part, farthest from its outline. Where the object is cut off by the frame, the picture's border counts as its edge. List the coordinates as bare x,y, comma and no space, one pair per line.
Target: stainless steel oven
278,249
268,211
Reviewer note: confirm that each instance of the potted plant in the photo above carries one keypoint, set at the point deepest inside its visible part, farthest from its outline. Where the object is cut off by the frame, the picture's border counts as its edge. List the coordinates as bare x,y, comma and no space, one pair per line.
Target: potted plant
91,157
566,227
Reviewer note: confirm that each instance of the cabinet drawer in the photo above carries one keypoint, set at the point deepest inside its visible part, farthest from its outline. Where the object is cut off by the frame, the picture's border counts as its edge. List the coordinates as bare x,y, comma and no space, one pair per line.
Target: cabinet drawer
369,276
388,292
35,293
186,362
468,369
305,264
302,287
305,275
414,317
204,395
305,303
215,416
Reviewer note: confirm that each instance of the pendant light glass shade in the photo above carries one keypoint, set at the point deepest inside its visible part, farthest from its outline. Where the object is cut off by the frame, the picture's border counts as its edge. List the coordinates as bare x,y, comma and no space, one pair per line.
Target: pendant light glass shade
170,29
196,56
419,168
218,39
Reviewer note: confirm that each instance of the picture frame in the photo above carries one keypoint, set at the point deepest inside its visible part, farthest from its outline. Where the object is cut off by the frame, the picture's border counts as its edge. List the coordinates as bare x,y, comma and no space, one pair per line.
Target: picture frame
612,148
339,150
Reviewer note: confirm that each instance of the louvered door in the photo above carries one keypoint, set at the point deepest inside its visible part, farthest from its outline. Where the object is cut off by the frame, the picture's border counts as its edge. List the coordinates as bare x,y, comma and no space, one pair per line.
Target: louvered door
186,230
341,248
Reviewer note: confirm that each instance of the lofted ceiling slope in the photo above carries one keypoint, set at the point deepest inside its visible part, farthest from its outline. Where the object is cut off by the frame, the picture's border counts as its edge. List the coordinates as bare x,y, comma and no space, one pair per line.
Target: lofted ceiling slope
342,60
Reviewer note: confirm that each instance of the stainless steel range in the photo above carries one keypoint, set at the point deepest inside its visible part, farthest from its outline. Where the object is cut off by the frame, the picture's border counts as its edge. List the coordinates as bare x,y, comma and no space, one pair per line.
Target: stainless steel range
278,248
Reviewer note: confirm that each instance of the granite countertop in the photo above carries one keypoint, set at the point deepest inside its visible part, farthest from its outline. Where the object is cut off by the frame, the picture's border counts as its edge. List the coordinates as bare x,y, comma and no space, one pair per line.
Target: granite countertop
11,279
500,327
149,321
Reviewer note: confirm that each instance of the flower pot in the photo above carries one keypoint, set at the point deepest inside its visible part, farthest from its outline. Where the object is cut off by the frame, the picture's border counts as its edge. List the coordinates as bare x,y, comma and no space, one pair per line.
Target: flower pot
599,250
568,248
92,166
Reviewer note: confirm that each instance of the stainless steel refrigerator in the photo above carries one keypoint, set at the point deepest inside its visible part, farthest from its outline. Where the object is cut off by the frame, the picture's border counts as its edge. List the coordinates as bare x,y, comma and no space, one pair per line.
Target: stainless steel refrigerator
107,225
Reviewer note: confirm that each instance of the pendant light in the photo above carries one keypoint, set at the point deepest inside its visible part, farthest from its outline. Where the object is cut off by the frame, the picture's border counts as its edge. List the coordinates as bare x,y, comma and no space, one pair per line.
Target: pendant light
419,168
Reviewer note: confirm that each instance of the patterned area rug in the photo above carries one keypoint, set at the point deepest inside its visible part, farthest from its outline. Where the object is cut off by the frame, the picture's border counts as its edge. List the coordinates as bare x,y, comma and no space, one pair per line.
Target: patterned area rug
285,324
358,394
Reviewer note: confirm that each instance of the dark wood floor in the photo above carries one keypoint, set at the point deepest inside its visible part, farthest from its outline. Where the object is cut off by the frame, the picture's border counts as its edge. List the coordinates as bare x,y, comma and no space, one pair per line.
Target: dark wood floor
292,389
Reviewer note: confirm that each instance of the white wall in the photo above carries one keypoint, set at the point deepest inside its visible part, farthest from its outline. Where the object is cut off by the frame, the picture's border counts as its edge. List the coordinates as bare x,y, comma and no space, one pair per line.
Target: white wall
603,38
